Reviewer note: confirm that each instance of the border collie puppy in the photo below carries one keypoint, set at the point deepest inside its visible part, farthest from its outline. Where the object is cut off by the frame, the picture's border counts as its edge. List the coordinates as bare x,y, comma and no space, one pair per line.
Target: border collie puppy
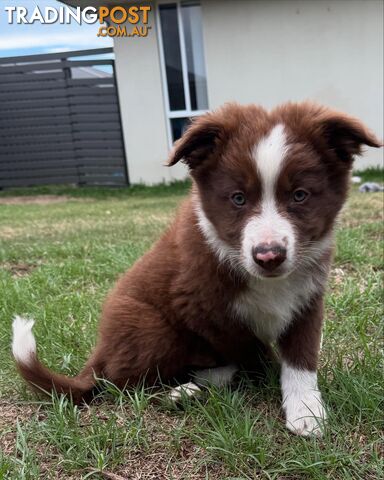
244,264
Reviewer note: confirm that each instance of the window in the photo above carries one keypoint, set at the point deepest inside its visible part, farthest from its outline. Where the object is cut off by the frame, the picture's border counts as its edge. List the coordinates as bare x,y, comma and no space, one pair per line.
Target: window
183,64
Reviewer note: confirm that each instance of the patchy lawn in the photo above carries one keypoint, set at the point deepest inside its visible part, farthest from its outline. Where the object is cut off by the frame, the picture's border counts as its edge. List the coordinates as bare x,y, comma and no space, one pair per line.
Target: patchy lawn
59,256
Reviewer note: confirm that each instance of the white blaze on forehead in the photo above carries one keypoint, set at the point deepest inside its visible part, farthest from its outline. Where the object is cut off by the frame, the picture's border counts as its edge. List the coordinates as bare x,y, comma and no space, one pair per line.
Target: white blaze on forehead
269,156
269,225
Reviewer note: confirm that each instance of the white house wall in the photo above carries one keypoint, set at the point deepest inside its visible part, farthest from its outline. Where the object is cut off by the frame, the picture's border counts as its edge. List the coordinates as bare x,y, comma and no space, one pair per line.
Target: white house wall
142,107
272,51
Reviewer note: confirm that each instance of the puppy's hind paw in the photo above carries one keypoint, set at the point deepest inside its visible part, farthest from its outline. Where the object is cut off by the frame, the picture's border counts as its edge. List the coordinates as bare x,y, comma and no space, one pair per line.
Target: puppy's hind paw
184,391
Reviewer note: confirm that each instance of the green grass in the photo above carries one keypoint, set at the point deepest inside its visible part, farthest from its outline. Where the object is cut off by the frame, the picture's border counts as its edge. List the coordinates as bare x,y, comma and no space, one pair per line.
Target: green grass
138,190
372,174
57,262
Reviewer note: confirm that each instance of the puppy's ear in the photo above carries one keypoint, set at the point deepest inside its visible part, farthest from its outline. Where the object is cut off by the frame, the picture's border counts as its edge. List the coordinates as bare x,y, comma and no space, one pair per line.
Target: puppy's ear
198,142
346,135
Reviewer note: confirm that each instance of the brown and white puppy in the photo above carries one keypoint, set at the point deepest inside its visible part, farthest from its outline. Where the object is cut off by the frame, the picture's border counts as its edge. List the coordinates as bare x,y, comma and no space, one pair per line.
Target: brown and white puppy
245,262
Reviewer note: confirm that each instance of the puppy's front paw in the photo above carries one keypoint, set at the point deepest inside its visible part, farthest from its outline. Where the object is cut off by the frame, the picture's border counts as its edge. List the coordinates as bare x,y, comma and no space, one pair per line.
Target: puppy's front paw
304,411
305,415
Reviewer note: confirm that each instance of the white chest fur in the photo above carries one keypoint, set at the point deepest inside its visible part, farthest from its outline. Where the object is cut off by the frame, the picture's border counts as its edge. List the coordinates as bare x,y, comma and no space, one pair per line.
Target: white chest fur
268,306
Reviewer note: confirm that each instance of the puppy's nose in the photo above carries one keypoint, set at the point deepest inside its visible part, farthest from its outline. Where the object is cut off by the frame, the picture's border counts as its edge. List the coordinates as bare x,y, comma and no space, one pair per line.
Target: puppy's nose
269,255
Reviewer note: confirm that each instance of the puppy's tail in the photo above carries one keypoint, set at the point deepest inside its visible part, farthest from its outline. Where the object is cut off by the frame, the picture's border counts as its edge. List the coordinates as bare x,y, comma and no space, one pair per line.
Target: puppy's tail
40,377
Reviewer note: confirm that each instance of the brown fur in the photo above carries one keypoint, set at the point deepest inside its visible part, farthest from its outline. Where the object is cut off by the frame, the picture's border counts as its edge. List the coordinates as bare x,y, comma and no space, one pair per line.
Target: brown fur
169,314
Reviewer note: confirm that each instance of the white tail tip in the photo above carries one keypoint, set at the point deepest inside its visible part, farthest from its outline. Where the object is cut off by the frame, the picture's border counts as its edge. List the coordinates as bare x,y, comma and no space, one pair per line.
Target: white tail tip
23,342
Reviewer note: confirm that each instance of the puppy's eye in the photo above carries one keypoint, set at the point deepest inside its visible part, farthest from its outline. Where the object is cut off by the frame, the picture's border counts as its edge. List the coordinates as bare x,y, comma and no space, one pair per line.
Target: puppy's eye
300,195
238,199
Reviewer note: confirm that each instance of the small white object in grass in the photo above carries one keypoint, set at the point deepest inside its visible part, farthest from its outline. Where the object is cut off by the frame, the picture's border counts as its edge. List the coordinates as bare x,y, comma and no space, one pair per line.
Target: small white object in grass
356,179
368,187
189,389
23,342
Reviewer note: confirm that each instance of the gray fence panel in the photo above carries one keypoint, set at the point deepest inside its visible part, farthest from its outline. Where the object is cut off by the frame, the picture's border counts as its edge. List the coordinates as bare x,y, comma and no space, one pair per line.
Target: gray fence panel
55,56
104,108
104,179
111,135
95,127
17,104
38,164
27,155
21,77
47,121
93,163
26,95
12,88
34,131
38,112
30,182
92,90
52,171
61,137
75,110
53,146
50,66
89,81
104,118
91,128
56,128
30,140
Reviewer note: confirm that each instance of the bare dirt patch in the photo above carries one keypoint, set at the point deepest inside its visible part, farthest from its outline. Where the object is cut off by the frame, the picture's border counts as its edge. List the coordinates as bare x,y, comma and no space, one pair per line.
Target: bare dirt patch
18,269
34,200
163,460
160,466
10,414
